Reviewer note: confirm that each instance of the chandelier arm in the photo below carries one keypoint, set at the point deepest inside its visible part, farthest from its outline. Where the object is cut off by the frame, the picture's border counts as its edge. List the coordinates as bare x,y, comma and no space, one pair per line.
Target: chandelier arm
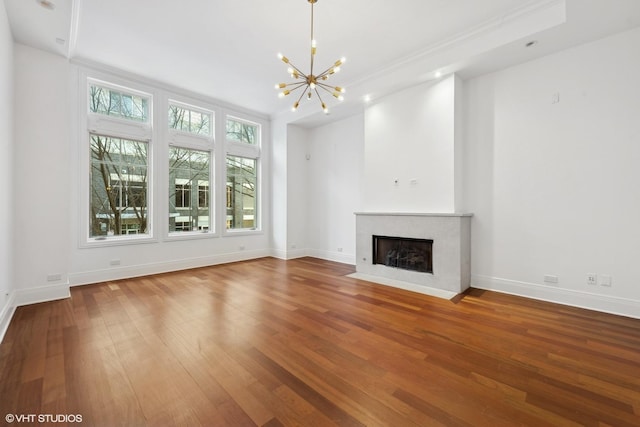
324,87
302,94
325,72
297,85
322,104
297,69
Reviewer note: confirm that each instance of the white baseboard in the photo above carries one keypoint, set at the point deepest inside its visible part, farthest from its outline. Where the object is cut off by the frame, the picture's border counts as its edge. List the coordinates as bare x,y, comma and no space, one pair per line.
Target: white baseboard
297,253
29,296
41,294
590,301
279,253
6,314
333,256
126,272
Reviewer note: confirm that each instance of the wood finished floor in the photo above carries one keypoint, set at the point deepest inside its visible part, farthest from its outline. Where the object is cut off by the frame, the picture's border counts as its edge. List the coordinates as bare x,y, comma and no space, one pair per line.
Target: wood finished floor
270,343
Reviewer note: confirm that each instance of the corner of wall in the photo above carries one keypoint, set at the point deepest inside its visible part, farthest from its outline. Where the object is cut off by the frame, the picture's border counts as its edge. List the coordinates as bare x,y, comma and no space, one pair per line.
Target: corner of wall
6,314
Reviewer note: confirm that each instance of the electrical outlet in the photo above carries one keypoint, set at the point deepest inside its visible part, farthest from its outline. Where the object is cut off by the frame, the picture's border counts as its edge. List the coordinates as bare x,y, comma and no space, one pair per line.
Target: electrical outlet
551,279
54,277
114,262
605,280
592,279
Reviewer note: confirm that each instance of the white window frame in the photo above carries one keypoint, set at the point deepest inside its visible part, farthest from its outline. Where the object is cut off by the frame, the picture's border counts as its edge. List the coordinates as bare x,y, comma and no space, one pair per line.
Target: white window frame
181,139
100,124
250,151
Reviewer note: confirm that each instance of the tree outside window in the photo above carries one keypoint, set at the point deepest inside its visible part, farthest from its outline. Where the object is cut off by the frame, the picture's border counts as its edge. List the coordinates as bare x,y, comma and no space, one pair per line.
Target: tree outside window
118,186
241,193
188,170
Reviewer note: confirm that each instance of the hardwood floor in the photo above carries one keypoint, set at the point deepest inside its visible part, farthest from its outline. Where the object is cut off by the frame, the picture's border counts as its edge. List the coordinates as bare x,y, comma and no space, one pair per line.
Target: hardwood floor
270,343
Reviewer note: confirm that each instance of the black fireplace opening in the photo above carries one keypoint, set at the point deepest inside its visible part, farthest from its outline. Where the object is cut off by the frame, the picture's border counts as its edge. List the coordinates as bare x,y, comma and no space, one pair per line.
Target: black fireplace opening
403,252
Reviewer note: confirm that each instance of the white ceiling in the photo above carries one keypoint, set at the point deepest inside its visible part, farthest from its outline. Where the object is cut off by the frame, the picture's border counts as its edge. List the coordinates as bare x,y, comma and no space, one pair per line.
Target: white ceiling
227,49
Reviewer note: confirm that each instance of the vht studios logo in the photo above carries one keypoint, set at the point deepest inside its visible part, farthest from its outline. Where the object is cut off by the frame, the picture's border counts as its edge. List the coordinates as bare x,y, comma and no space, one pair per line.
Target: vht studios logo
43,418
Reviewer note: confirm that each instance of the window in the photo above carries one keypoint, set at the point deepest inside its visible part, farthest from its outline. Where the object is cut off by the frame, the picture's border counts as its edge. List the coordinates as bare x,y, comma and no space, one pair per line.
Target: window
188,169
119,139
242,131
135,158
111,102
242,177
118,203
189,120
241,193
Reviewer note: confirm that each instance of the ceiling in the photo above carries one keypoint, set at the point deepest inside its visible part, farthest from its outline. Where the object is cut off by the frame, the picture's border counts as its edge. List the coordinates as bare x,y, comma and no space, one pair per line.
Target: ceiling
226,49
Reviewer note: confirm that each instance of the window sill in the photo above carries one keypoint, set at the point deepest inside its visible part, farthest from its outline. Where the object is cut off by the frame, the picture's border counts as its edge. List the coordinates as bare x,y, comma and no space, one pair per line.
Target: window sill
105,241
190,235
243,232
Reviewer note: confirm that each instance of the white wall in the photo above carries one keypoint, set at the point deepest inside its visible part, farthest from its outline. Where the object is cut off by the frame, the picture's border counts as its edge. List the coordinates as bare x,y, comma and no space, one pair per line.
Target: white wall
41,175
554,187
297,191
410,137
335,167
6,170
279,188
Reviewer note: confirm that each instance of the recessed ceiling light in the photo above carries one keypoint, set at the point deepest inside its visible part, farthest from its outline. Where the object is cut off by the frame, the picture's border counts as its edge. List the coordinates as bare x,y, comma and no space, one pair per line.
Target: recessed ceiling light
438,74
531,43
47,4
367,98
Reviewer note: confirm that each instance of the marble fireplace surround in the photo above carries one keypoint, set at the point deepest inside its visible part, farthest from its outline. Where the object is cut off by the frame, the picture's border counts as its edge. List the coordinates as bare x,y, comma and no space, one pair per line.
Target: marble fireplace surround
451,235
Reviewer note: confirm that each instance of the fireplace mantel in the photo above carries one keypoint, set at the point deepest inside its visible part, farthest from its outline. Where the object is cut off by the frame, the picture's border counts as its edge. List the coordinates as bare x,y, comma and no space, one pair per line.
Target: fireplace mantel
451,235
414,214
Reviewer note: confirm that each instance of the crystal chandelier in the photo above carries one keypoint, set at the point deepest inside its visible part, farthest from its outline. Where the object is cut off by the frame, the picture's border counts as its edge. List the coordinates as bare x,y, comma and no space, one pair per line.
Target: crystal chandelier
310,83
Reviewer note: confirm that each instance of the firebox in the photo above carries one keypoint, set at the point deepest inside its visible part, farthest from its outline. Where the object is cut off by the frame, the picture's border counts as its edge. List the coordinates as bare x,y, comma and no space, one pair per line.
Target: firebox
403,252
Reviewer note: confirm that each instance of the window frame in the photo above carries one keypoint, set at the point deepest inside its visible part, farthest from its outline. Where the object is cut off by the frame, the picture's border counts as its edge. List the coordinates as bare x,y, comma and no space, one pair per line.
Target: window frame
93,123
182,235
189,141
236,148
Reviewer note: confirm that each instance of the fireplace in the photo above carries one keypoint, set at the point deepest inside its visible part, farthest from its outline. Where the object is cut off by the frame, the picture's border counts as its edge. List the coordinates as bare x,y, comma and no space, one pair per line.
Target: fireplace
444,237
403,252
